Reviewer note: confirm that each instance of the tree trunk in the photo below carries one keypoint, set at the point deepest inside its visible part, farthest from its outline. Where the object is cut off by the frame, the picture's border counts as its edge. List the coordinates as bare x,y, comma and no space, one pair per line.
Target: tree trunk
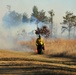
74,33
51,30
51,27
69,31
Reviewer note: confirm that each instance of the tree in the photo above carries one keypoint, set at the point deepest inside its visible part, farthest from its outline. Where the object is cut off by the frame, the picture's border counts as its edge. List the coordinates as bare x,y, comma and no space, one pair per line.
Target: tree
35,11
43,31
40,15
73,19
51,20
68,20
24,18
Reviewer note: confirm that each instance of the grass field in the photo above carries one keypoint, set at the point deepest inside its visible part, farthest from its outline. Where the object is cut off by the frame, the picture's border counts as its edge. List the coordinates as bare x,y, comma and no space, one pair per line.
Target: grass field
30,63
59,58
58,47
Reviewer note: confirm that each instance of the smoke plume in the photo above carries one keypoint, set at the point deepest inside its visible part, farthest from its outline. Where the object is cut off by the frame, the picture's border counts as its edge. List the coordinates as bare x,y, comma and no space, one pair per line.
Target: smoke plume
13,30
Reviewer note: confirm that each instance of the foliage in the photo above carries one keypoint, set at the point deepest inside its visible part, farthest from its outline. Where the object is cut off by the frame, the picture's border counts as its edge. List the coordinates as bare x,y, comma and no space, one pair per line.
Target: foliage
35,11
43,31
51,12
70,20
25,18
40,15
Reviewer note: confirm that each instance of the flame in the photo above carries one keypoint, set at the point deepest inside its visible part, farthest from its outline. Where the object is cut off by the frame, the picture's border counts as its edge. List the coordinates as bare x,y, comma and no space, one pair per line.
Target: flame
36,51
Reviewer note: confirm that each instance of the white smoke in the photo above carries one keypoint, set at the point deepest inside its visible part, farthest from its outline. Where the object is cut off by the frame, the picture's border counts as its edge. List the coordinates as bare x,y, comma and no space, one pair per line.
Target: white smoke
10,33
4,35
9,37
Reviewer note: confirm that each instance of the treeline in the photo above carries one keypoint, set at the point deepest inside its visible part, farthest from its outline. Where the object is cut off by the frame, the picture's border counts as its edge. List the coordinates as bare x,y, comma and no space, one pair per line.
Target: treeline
69,21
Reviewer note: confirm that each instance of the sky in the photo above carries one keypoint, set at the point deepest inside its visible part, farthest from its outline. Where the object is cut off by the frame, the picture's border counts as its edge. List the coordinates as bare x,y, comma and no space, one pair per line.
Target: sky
21,6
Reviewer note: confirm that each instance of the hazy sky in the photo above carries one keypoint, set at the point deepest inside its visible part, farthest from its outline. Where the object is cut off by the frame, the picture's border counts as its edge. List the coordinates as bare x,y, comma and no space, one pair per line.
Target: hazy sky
59,7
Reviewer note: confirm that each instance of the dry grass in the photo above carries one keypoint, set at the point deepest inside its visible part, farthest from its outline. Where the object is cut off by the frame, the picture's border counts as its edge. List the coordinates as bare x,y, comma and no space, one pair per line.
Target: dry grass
58,47
12,54
23,63
30,63
61,47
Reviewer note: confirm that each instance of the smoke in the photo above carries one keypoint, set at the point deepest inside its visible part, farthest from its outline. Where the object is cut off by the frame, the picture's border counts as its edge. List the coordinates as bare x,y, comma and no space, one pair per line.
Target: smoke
13,30
4,36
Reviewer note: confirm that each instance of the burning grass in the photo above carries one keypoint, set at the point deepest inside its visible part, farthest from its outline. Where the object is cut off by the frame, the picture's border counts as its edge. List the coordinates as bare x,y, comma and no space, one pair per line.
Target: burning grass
58,47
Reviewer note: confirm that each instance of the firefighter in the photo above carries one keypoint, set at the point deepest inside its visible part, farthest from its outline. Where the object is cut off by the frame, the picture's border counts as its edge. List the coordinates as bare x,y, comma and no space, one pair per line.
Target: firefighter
40,43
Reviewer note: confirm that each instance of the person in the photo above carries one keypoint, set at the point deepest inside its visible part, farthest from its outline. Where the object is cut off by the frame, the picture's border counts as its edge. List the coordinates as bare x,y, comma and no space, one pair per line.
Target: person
40,44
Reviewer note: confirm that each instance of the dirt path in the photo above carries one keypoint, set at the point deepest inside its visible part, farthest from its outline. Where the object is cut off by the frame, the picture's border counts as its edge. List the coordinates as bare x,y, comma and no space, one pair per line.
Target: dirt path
34,64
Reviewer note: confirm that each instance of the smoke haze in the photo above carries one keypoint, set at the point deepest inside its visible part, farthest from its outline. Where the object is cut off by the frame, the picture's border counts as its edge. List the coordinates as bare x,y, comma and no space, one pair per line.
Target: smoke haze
12,30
